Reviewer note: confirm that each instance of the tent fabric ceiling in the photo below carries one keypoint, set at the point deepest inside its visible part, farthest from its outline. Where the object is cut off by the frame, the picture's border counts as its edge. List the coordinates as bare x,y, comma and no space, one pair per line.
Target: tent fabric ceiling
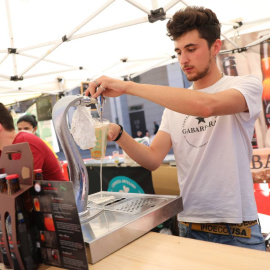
112,37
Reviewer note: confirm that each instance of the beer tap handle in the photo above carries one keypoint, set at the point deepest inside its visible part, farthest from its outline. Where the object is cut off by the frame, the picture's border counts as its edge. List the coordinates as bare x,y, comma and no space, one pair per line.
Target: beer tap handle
99,106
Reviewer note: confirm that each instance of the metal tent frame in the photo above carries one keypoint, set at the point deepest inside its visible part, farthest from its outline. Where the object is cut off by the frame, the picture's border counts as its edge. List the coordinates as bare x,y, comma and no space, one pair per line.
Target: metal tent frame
54,78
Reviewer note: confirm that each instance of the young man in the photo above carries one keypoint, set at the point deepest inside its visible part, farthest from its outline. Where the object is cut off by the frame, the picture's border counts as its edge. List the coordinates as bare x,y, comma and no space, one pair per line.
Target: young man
210,127
43,157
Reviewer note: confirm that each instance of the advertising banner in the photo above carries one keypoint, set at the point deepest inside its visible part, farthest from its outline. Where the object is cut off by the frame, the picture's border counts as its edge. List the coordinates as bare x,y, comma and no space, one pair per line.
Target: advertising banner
121,179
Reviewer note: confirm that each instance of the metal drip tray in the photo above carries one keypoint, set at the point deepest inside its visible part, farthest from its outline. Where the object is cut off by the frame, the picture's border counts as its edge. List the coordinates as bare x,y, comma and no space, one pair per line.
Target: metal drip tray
117,219
124,205
133,206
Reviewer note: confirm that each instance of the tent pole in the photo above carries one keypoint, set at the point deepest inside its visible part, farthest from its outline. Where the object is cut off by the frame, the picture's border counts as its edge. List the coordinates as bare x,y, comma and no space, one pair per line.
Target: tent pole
76,29
49,73
105,29
151,67
145,59
98,31
127,61
171,4
4,58
11,38
67,36
5,76
41,58
258,41
228,31
37,46
154,4
248,24
235,45
46,60
230,23
136,4
257,21
104,70
113,27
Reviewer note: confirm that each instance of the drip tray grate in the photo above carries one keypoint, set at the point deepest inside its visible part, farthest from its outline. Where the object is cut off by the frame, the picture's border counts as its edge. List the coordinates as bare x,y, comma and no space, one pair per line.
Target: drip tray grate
122,204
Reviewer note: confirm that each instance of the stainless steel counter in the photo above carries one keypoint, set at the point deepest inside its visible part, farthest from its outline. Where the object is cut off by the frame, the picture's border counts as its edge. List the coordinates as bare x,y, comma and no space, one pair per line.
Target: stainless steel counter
123,218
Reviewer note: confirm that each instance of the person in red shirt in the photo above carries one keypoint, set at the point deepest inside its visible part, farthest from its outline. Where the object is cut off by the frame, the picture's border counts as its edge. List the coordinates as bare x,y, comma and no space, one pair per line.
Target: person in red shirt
43,157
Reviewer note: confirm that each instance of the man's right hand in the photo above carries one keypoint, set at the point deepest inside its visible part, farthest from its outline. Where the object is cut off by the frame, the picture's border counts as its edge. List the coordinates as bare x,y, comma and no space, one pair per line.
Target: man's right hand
107,87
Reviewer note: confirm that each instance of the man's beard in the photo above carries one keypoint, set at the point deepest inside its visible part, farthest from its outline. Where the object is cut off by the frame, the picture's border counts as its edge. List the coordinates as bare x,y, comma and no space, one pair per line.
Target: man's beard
201,74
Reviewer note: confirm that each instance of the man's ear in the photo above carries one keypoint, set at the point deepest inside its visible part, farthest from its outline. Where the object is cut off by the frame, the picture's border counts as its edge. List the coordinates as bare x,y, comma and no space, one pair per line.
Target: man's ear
216,47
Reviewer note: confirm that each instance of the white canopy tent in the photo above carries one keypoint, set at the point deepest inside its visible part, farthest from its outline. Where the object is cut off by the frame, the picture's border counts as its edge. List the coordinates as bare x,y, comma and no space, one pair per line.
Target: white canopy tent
49,46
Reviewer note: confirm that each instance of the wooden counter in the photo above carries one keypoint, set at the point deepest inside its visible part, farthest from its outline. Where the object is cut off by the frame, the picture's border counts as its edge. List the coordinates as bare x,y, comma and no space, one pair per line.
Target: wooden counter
155,251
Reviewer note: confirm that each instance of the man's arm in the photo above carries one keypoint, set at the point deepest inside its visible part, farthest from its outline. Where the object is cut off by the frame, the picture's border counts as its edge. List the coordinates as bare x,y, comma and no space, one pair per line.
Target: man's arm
149,157
182,100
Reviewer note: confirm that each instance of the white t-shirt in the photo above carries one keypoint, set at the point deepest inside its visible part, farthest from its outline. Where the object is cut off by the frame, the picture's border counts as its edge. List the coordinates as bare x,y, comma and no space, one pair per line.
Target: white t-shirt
213,157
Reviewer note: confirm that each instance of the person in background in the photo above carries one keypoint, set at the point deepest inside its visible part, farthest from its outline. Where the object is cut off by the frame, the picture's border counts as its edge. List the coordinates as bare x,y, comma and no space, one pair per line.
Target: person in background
43,157
210,127
139,134
28,123
156,127
150,137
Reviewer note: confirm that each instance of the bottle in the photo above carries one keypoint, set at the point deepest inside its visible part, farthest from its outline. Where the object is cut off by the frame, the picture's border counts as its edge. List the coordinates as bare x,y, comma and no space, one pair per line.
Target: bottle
254,141
13,184
3,183
25,241
38,174
3,249
229,66
265,62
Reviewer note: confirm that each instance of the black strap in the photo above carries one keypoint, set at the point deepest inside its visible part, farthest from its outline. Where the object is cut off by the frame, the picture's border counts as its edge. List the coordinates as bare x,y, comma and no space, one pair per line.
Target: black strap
120,134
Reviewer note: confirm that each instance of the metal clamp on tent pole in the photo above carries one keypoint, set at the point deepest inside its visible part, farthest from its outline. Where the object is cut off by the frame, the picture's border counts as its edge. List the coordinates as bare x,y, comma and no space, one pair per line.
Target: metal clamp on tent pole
16,78
239,50
239,25
64,38
12,50
157,15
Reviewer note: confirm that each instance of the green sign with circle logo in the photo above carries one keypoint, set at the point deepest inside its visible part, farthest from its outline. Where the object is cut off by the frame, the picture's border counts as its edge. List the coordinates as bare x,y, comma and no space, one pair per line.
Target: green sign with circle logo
124,184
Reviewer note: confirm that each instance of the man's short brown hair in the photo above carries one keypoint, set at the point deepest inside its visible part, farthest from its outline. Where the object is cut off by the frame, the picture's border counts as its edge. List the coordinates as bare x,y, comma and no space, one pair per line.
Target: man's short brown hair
202,19
6,119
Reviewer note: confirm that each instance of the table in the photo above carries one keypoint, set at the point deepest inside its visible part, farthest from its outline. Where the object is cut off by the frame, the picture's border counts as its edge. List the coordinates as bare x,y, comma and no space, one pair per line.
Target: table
158,251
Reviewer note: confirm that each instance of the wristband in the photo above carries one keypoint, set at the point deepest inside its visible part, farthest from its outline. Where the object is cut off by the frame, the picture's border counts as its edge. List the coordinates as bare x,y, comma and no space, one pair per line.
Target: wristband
120,134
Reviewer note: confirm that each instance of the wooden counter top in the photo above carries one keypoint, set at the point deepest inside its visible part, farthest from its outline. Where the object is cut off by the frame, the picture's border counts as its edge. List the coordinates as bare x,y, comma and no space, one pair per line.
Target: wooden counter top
155,251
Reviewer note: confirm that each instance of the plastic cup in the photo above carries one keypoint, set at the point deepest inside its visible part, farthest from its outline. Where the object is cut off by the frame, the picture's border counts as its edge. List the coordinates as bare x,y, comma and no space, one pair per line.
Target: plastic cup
115,156
101,132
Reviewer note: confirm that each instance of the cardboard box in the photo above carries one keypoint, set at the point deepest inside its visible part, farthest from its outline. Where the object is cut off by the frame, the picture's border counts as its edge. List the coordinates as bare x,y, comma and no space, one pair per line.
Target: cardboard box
165,180
24,168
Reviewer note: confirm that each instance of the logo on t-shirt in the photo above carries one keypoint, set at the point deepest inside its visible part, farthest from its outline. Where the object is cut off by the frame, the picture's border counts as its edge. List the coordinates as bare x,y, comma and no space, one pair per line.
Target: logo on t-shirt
197,130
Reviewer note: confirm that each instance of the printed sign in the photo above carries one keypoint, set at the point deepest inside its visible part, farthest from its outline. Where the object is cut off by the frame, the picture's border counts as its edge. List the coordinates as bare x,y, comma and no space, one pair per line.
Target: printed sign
124,179
58,226
260,165
124,184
